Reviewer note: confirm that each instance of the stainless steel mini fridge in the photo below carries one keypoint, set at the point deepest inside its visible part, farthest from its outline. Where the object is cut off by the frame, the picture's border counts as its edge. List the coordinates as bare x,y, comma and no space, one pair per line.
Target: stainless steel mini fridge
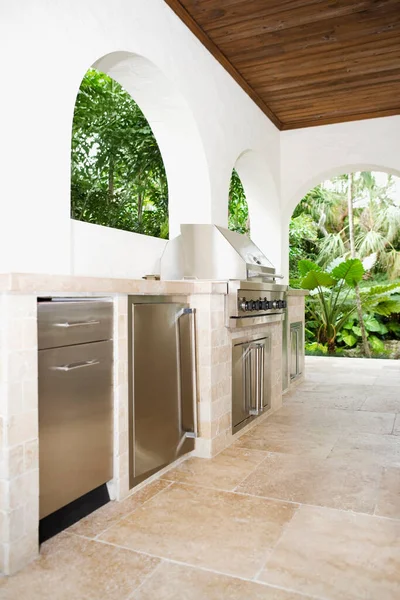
162,383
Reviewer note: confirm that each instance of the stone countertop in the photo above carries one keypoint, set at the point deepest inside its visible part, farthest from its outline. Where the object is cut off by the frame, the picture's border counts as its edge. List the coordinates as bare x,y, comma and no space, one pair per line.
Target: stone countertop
42,284
293,292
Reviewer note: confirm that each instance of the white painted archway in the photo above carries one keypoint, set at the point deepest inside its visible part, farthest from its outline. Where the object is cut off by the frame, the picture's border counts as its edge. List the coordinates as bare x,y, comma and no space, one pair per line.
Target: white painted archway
309,185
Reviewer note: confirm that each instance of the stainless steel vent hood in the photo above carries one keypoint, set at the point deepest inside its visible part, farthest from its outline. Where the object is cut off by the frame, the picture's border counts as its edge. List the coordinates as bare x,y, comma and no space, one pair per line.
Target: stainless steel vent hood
213,252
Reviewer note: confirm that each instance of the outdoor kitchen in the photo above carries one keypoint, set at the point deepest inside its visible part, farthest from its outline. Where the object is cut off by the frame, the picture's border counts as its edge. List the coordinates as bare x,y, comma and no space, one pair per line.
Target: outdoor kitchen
241,317
200,244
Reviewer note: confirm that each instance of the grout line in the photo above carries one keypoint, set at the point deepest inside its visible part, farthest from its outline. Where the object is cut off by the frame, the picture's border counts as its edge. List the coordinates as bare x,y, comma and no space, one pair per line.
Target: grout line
125,516
145,580
202,568
122,518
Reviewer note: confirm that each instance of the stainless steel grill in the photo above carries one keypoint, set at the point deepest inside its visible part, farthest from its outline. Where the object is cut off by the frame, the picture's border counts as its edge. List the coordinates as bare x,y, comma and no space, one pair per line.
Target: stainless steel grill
212,252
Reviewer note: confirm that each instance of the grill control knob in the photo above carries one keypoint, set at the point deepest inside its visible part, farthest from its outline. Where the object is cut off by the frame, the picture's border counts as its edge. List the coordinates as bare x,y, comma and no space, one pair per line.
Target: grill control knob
265,304
242,304
249,305
284,304
279,304
257,305
273,304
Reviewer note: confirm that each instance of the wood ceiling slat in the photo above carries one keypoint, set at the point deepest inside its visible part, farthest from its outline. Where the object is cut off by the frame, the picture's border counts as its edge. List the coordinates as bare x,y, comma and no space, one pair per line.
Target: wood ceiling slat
211,13
286,21
336,58
342,118
305,62
390,76
320,38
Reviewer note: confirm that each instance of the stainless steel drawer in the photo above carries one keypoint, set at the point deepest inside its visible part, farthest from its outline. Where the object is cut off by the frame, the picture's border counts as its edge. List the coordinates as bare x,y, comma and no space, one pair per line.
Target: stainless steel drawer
75,422
68,322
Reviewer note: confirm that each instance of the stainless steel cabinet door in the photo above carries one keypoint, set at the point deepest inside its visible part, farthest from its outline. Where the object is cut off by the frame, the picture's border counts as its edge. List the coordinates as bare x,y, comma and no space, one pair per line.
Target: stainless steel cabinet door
161,394
75,422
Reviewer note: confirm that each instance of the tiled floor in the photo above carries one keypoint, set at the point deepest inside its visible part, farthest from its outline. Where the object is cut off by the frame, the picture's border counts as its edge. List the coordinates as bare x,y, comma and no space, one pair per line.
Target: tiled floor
305,505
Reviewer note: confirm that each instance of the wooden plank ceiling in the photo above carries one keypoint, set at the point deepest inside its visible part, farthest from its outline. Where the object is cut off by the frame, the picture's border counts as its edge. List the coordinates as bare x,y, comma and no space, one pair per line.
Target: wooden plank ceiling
305,62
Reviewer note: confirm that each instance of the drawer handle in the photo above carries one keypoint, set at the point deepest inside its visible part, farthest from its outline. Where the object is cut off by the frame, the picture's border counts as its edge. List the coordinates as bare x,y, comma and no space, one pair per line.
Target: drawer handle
77,365
77,324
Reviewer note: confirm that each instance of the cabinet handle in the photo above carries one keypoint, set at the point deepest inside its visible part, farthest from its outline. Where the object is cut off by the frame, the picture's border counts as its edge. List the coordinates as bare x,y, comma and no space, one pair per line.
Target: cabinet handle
77,365
77,324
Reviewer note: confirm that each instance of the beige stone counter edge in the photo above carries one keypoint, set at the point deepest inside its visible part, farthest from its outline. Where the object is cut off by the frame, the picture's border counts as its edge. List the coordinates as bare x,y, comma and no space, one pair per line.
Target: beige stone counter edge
31,283
298,292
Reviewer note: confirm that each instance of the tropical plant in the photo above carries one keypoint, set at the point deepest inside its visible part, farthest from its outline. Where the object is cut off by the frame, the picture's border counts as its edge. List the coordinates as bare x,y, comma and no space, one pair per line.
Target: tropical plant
117,172
331,304
238,210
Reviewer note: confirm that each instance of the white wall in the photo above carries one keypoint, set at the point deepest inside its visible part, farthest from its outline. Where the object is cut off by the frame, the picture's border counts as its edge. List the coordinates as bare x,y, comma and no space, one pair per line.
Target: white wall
46,48
203,121
105,252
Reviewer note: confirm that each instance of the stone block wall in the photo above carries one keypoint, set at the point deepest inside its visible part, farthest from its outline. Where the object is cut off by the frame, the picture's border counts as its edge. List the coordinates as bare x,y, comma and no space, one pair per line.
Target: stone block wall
214,371
19,461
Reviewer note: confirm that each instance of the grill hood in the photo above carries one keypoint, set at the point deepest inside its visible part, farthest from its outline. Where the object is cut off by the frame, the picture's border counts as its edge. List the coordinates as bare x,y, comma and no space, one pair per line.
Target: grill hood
216,253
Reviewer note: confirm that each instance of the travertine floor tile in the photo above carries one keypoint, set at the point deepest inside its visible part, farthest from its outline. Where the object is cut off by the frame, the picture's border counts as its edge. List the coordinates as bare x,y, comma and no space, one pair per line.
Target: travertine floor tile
340,420
388,379
223,472
107,515
214,529
336,484
176,582
341,398
71,567
290,439
383,403
338,556
366,447
389,494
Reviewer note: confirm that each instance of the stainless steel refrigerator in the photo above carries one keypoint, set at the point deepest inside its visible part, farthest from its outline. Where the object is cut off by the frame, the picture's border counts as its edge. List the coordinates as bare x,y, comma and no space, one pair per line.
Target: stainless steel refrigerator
162,383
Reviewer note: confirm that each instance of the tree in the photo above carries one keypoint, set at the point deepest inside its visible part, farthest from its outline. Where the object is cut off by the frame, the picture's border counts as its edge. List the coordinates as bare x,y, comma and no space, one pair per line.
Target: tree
350,200
118,177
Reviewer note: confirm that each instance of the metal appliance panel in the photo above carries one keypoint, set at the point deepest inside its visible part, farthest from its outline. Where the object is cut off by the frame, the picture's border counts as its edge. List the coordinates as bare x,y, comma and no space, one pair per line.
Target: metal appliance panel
205,251
296,349
162,385
64,322
75,422
251,380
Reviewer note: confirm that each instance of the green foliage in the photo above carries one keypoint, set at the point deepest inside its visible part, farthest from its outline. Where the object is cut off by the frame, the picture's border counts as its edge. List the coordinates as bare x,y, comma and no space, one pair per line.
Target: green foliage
376,220
330,305
238,210
118,177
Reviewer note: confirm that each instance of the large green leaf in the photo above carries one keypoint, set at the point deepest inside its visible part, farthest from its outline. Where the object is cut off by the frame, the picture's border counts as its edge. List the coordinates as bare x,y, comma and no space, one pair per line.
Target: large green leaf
393,326
351,271
315,279
349,339
376,344
372,324
357,330
305,266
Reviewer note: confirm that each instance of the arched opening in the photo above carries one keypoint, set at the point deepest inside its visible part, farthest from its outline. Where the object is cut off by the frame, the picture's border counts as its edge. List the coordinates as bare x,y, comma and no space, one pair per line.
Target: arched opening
180,148
118,177
344,246
238,210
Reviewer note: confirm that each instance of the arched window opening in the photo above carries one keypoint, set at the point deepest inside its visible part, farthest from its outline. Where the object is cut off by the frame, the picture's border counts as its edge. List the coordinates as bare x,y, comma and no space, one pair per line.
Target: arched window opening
238,210
344,240
118,177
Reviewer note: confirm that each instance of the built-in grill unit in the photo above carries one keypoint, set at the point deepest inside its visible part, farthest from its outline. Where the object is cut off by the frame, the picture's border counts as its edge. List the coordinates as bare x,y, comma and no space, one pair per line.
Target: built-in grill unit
210,252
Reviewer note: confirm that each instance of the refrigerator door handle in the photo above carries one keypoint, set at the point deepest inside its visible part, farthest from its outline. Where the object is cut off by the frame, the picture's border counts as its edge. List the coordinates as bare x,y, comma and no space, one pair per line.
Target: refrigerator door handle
191,344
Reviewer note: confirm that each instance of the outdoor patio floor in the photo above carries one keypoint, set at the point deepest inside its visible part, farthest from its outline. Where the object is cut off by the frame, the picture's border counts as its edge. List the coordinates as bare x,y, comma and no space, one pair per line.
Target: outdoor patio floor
305,505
